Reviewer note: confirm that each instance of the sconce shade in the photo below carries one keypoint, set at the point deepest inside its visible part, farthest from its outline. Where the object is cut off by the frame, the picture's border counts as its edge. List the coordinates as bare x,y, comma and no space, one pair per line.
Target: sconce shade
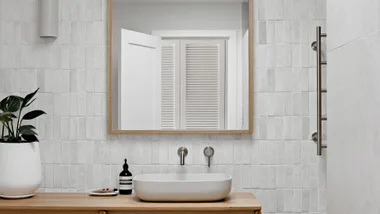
48,18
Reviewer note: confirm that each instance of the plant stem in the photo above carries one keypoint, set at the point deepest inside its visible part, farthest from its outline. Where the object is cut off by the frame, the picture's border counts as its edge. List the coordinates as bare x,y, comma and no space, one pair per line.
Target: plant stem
2,131
10,130
12,127
18,123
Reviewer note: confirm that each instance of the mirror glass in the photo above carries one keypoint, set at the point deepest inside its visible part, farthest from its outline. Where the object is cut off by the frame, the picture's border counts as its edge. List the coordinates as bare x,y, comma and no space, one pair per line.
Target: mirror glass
180,65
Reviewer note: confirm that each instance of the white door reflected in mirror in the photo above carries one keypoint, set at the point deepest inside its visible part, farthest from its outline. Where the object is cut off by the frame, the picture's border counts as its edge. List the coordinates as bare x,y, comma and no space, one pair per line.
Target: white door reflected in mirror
139,81
180,65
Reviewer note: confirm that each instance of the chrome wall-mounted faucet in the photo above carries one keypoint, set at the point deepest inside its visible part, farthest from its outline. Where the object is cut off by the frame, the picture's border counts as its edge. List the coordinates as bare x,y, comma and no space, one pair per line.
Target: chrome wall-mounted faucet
182,153
209,152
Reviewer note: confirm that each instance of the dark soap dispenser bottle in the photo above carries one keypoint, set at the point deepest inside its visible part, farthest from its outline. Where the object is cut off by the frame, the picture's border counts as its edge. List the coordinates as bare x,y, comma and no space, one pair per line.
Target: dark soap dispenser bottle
125,180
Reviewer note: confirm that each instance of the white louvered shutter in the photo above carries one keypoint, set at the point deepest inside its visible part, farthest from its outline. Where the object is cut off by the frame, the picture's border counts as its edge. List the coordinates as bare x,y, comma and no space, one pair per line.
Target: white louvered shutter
203,67
170,85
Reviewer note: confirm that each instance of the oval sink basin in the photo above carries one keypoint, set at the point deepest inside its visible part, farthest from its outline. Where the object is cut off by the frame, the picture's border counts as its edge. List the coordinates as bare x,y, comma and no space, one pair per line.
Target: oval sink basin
182,187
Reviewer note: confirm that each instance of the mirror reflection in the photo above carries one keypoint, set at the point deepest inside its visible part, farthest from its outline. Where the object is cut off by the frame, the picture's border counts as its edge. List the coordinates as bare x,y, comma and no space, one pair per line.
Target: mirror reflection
180,64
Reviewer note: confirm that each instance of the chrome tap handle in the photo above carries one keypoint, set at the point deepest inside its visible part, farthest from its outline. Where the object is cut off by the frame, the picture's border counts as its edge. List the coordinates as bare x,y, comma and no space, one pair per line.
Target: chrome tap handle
209,152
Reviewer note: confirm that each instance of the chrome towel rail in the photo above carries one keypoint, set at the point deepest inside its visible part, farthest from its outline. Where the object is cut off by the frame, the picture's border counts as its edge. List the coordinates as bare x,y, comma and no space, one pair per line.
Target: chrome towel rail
317,137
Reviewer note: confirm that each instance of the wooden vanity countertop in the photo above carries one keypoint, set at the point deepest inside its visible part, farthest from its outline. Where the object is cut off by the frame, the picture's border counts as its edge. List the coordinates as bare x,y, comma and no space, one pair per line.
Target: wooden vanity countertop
237,201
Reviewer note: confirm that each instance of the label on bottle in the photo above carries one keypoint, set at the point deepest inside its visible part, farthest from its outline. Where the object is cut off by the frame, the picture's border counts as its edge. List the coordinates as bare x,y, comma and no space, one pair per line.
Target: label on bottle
125,182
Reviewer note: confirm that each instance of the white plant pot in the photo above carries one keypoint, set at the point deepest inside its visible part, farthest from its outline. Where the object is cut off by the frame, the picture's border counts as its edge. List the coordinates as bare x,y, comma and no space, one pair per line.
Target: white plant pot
20,169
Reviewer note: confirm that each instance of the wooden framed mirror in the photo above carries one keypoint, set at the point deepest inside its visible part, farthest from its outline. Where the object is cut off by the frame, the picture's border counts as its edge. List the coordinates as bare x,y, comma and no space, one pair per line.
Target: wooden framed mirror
180,66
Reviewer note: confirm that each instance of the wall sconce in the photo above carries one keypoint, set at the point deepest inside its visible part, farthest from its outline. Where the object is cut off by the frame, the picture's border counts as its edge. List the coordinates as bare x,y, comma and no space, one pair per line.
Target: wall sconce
48,18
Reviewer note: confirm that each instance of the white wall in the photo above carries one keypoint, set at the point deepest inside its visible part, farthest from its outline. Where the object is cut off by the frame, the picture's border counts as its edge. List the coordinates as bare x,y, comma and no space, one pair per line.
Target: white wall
278,162
181,16
353,106
353,19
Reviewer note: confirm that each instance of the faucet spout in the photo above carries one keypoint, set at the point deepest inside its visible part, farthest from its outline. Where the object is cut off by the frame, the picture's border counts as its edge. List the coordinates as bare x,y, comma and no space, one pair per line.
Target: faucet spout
182,161
182,153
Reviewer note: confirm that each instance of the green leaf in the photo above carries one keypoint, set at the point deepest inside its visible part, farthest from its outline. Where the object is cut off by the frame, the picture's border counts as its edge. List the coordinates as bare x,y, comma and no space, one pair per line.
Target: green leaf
13,104
6,117
27,130
3,103
27,127
28,97
8,114
30,138
11,115
30,102
33,114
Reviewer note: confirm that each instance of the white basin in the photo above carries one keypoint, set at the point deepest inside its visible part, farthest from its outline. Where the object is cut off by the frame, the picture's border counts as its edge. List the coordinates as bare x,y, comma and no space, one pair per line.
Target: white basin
182,187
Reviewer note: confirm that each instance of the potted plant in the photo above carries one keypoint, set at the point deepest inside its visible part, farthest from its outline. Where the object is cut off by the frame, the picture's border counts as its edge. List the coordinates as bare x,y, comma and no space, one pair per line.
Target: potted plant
20,161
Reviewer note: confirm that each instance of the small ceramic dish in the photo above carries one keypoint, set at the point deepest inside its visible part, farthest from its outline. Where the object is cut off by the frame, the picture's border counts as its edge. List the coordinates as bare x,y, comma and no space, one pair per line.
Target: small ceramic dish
104,192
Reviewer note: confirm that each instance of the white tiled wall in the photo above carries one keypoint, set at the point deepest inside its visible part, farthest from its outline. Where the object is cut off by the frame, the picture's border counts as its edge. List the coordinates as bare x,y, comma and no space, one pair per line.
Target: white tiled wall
278,163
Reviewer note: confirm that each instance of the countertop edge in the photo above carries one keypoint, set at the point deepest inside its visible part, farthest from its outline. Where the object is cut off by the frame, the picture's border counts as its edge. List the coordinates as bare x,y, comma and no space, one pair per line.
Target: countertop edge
237,201
93,208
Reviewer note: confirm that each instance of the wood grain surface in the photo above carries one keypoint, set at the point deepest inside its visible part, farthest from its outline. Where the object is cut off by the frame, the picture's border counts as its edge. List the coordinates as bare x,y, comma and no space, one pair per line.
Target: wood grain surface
83,202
